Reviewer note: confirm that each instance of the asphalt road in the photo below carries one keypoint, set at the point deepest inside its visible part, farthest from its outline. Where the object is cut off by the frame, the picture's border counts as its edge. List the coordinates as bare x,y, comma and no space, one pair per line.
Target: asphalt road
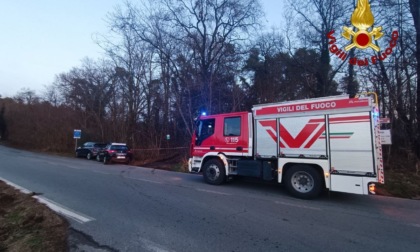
126,208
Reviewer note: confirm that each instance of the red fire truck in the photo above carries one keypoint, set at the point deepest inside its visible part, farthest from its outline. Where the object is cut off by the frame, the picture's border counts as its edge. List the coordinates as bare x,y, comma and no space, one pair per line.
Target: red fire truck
308,145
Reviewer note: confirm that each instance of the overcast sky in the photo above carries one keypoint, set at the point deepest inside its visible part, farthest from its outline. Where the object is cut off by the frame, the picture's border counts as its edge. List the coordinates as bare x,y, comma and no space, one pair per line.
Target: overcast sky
42,38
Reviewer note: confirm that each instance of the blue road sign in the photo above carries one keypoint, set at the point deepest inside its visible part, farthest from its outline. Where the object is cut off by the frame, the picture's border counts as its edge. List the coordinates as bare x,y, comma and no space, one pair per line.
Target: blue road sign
77,134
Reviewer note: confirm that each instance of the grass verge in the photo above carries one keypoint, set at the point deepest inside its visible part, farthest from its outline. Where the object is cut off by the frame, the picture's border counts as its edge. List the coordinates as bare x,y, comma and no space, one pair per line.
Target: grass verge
27,225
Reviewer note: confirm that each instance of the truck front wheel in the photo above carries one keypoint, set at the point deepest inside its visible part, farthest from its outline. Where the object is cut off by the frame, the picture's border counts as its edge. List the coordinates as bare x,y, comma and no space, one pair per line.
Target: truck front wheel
214,172
303,181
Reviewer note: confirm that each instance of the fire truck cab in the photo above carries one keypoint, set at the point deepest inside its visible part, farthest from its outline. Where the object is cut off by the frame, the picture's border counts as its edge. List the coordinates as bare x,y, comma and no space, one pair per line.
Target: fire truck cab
309,145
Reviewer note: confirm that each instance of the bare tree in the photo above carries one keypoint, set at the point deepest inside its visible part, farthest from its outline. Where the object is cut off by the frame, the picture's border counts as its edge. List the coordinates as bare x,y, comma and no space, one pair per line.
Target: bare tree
3,124
415,12
209,28
205,37
27,96
88,90
143,82
316,18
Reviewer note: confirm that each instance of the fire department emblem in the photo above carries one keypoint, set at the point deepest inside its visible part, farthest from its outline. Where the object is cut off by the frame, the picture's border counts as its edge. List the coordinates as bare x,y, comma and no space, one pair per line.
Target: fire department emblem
362,18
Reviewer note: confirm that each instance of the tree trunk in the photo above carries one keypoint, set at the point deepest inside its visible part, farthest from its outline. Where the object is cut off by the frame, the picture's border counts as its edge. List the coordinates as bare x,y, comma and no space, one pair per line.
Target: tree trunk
351,86
415,11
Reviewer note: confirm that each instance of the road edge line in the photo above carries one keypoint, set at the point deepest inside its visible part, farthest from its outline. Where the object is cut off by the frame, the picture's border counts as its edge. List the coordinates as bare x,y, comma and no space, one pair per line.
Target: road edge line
56,207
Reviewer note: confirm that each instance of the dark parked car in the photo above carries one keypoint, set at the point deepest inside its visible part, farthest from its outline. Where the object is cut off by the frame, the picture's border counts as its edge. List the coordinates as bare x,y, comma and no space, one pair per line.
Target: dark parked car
115,152
89,149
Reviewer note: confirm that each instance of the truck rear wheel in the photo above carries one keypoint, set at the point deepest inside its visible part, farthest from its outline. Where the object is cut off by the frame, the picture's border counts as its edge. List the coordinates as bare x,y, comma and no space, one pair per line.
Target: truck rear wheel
214,172
303,181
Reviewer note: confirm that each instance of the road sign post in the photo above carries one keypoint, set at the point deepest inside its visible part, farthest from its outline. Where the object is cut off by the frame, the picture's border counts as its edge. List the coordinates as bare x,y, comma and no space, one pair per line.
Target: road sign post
77,134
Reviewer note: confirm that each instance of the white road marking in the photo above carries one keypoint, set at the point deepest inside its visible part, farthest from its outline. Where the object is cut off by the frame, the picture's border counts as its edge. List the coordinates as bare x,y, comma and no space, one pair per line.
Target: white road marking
215,192
60,209
81,218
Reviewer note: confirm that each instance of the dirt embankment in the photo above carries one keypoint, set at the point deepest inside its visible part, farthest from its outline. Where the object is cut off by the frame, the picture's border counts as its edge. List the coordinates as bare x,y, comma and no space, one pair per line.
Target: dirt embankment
27,225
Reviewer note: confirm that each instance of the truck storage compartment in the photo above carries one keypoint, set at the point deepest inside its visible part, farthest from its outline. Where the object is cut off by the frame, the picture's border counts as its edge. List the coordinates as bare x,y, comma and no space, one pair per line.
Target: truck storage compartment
255,168
347,183
250,168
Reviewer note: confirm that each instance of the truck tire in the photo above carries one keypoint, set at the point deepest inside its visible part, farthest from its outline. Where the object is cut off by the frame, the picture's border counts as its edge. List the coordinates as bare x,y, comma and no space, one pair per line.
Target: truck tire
303,181
214,172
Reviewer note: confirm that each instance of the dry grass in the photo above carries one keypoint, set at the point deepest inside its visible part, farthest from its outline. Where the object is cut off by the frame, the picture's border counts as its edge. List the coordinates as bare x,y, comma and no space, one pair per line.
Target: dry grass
402,184
27,225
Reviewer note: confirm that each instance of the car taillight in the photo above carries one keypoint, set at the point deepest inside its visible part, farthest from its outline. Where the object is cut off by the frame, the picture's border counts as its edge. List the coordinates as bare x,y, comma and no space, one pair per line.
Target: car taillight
111,151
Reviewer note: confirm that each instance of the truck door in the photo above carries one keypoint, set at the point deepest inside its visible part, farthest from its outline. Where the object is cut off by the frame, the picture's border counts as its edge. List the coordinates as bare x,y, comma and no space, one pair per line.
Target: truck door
351,152
235,135
266,140
351,143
